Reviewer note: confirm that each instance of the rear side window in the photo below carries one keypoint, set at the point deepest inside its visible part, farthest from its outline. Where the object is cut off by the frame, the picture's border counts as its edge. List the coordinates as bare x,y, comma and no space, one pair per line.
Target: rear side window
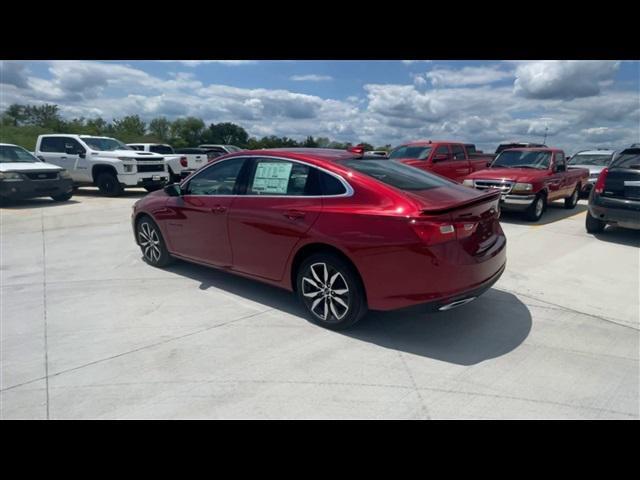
140,148
397,174
52,144
418,153
329,184
162,149
627,159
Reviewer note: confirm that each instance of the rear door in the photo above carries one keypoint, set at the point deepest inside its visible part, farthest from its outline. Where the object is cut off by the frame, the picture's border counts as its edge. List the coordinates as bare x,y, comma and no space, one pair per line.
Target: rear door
281,203
623,179
456,167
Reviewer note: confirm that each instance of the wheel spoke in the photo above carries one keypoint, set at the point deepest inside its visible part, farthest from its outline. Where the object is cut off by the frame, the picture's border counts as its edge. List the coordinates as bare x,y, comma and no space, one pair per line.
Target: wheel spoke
341,302
341,291
326,308
315,304
315,275
334,278
333,310
308,280
326,273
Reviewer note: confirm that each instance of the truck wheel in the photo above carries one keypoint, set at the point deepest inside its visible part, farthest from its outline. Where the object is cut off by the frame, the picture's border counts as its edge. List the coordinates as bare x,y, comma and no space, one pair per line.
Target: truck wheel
536,209
151,243
572,201
330,291
594,225
63,197
109,185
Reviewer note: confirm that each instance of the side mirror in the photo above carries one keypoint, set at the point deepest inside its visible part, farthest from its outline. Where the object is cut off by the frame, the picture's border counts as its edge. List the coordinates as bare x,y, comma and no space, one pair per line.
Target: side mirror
440,157
173,190
82,154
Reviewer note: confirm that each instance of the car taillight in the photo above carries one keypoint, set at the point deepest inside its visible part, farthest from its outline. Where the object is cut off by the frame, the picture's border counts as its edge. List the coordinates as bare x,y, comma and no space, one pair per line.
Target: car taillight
602,178
435,230
183,161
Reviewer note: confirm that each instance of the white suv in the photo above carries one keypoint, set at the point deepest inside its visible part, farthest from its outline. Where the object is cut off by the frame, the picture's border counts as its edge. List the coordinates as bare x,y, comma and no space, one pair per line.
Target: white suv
102,161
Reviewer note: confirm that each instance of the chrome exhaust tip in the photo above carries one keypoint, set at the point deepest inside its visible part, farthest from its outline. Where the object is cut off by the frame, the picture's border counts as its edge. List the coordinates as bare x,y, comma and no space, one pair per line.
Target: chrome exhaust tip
455,304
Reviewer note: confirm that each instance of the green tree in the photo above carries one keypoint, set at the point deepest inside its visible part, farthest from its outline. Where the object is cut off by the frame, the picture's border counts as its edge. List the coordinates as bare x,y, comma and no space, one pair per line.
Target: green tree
187,132
45,116
226,134
96,126
160,128
129,128
310,142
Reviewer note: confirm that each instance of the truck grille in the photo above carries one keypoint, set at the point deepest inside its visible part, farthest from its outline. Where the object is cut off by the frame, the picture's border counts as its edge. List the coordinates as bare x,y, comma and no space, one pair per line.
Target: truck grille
502,185
150,168
41,175
152,159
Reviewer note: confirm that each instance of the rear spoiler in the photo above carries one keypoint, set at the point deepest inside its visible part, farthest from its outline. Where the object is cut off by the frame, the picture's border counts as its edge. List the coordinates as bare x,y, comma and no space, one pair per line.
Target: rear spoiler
489,196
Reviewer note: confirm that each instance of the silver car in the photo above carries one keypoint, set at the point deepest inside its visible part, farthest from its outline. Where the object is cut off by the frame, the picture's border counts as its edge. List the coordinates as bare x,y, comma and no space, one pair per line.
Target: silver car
594,161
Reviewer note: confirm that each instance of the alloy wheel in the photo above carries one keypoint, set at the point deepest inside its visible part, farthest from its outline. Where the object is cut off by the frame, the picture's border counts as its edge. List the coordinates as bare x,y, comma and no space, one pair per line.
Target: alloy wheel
539,206
326,292
150,242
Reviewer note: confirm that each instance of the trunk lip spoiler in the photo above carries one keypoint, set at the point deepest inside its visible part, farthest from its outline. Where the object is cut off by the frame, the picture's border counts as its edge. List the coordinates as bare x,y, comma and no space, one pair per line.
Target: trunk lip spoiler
466,203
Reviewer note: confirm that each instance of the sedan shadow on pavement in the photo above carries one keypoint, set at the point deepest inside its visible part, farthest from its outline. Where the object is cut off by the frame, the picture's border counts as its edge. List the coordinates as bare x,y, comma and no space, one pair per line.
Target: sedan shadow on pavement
94,192
491,326
554,213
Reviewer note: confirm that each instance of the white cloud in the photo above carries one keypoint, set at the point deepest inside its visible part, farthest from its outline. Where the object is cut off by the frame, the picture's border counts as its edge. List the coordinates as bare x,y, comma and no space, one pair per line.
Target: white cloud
196,63
410,62
446,77
311,78
563,79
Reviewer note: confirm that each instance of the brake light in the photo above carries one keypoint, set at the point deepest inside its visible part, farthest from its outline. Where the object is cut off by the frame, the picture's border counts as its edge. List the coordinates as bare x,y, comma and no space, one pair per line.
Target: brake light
358,150
183,161
435,230
602,178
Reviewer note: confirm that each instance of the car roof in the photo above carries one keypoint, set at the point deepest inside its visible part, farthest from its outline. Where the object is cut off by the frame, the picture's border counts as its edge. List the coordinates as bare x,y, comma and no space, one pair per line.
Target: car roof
535,149
596,152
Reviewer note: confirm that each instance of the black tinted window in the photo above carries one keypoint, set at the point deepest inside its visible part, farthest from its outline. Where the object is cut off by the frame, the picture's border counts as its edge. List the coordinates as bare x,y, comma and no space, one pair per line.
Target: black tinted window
397,174
627,159
218,179
443,150
162,149
52,144
458,152
329,184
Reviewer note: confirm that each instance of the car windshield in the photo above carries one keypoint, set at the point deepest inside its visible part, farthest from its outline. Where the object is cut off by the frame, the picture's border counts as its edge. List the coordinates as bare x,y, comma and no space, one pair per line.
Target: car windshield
522,159
419,153
162,149
104,144
397,174
588,159
15,154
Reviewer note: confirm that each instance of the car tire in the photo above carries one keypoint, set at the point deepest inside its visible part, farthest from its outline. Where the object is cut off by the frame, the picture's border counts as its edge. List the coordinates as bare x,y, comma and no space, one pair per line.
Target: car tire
330,291
594,225
109,185
534,212
63,197
571,202
151,242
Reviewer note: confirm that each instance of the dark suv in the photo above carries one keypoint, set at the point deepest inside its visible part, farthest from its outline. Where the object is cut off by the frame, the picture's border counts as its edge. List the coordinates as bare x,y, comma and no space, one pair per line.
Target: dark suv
615,198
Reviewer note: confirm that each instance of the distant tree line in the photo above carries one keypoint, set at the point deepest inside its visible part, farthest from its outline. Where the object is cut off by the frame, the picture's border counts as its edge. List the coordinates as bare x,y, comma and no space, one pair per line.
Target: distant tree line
21,125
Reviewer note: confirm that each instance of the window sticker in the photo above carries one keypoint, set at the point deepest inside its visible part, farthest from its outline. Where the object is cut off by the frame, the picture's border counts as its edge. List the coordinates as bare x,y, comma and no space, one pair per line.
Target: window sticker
272,177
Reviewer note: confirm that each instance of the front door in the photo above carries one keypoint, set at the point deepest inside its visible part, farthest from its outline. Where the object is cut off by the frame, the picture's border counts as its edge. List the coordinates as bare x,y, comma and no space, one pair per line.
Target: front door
196,222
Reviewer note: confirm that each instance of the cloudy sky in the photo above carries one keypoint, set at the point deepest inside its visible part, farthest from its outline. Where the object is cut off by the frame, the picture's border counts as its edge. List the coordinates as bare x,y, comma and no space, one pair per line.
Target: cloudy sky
583,104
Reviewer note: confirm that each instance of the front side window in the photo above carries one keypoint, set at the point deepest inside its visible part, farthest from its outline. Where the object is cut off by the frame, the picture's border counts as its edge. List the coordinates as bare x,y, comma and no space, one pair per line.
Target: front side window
458,152
13,154
218,179
560,161
408,151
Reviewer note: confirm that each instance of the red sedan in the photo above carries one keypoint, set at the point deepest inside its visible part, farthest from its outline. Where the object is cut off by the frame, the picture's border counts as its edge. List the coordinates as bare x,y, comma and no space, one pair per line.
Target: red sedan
346,234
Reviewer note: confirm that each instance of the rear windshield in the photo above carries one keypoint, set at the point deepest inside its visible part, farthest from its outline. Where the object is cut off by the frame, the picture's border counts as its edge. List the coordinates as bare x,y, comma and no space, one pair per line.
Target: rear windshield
190,151
419,153
628,159
162,149
397,174
601,160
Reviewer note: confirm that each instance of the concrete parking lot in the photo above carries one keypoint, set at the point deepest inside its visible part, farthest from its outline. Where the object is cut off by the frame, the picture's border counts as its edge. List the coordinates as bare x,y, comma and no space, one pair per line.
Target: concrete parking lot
89,330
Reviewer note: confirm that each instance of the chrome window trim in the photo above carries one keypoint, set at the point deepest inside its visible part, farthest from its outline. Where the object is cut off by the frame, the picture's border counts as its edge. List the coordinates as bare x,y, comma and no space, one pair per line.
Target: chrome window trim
348,193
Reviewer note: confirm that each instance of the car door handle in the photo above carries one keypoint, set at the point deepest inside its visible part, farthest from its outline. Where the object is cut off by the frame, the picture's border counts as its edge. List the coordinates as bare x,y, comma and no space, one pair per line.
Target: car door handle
219,209
294,214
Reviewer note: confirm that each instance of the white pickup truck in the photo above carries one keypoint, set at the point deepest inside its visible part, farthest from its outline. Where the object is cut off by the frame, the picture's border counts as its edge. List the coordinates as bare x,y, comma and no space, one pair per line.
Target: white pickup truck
177,163
102,161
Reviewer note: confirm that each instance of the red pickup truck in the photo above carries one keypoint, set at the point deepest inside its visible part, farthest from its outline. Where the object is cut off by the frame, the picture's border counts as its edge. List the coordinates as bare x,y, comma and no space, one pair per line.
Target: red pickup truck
530,178
449,159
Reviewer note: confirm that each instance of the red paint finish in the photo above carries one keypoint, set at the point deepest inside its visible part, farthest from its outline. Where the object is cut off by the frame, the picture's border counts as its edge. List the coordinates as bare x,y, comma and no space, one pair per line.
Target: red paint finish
393,237
448,159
